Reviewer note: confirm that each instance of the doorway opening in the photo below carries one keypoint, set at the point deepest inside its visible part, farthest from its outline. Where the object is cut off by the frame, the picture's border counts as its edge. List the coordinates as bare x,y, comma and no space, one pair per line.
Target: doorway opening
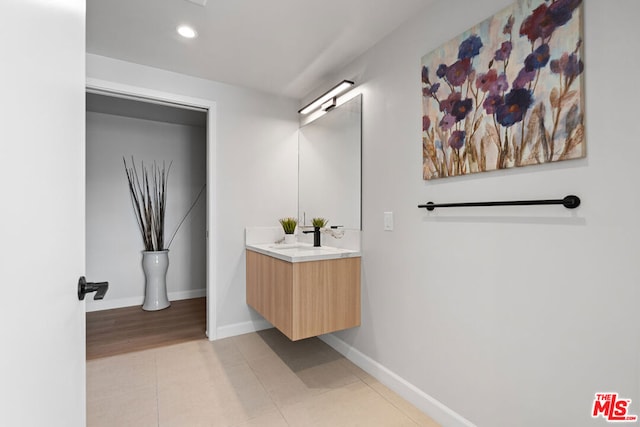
150,127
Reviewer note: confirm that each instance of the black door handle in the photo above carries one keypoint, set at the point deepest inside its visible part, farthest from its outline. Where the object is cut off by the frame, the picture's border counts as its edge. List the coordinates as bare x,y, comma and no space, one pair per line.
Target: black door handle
100,288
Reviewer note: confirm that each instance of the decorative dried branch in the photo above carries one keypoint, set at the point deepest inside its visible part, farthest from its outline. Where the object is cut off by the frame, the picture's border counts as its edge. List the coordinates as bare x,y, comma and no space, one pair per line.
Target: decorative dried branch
149,201
193,205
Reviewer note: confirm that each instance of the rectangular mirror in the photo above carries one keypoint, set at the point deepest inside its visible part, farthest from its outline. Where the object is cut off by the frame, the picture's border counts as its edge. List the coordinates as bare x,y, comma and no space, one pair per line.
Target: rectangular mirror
330,167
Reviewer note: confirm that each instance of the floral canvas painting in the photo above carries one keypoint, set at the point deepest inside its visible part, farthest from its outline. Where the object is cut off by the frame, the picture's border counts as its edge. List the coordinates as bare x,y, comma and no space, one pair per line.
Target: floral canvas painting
506,93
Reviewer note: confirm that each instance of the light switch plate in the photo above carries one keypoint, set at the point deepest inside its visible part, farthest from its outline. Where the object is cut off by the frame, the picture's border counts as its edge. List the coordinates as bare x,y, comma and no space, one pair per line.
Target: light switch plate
388,221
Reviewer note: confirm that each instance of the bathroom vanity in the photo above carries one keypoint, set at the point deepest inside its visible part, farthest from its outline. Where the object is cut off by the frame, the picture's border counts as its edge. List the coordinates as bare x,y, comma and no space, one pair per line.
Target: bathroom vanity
302,290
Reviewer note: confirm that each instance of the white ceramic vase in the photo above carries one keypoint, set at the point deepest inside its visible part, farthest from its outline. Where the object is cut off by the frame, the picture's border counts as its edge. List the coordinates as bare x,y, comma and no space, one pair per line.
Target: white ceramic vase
289,239
155,265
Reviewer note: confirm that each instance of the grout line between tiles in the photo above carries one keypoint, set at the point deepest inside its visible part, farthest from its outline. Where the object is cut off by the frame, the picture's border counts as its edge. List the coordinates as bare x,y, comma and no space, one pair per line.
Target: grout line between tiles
392,403
275,404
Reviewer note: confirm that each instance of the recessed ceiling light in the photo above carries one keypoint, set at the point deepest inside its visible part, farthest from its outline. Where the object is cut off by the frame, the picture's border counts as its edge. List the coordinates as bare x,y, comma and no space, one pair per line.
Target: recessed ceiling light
187,32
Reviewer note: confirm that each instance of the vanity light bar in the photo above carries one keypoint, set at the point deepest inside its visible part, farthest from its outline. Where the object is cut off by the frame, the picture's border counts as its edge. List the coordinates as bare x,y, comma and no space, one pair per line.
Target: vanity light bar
329,104
332,93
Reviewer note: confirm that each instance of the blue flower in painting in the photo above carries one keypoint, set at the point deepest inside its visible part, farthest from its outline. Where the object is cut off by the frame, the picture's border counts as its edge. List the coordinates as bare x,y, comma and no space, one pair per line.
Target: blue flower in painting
470,47
538,58
561,11
425,75
516,104
441,71
461,109
439,144
503,53
456,140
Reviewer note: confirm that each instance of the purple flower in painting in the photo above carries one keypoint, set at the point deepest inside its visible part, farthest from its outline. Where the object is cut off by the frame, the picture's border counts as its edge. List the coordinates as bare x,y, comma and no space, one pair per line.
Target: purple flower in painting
514,108
447,104
508,26
569,65
456,140
447,122
461,109
470,47
485,80
441,71
458,72
524,78
500,85
425,75
426,123
503,53
491,103
538,25
574,66
430,90
538,58
561,11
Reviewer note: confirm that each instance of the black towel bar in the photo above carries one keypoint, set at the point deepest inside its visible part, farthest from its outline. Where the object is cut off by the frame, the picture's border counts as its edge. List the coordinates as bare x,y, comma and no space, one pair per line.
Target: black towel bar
569,202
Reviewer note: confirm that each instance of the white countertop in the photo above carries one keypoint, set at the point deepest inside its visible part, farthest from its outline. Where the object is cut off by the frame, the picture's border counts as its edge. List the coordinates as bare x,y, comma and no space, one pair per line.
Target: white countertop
302,252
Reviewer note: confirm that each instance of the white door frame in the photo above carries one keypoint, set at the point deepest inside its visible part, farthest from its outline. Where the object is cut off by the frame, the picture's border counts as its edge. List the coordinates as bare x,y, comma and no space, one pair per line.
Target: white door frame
123,90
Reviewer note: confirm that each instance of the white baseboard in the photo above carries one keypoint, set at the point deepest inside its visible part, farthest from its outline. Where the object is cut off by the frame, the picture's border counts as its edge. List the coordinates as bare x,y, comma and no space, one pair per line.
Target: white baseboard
421,400
194,293
241,328
108,304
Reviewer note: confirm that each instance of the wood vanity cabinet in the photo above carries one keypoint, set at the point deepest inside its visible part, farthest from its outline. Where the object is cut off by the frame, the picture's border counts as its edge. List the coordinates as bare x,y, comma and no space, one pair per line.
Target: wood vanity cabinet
305,299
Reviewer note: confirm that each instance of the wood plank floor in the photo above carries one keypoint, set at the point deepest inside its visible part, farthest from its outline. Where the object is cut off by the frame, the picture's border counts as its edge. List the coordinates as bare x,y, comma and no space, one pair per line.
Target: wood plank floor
124,330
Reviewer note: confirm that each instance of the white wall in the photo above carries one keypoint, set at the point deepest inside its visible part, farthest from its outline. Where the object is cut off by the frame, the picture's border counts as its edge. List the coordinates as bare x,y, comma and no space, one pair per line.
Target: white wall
256,158
114,243
508,316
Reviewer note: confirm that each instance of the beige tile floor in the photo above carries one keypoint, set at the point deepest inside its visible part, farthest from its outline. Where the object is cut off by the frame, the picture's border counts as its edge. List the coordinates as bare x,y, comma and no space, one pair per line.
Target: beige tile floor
258,379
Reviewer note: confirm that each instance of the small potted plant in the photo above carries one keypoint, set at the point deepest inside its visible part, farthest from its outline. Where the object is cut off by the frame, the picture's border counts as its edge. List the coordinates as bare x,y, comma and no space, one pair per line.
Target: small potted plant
319,222
289,226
